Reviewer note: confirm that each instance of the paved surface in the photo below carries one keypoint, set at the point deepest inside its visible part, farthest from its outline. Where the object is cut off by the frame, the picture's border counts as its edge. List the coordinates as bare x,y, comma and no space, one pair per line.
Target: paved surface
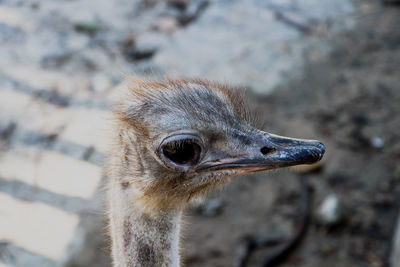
60,68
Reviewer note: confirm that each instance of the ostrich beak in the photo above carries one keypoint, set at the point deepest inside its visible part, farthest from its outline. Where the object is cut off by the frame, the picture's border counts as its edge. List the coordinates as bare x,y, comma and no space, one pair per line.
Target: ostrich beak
266,152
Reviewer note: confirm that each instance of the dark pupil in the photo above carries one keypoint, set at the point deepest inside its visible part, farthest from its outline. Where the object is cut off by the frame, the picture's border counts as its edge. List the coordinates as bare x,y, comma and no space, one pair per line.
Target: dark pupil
182,152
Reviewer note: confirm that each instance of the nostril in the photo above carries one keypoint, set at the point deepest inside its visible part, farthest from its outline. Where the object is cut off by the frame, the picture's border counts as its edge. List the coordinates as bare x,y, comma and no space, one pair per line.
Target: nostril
266,150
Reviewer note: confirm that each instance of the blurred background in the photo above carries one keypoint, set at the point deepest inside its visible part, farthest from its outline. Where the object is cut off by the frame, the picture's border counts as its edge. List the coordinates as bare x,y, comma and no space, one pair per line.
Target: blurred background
326,70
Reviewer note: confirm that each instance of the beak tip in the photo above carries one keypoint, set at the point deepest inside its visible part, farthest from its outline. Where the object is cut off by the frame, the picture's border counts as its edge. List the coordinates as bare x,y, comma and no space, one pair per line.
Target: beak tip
321,148
312,152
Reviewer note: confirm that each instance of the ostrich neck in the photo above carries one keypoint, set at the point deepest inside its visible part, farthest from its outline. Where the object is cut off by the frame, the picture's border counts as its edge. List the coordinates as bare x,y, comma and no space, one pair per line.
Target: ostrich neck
138,238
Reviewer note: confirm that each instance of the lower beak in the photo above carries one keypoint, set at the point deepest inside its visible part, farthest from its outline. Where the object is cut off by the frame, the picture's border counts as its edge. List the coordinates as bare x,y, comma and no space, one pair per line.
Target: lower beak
270,152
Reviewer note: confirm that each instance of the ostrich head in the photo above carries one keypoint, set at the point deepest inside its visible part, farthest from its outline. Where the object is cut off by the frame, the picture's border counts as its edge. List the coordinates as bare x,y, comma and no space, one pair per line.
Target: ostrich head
181,138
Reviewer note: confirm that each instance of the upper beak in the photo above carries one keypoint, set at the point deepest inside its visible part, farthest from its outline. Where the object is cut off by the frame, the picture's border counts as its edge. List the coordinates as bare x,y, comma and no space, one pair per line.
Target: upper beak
268,151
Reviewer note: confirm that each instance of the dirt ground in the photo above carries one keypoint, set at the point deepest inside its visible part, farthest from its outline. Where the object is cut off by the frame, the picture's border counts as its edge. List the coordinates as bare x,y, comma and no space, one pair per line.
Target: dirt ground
350,101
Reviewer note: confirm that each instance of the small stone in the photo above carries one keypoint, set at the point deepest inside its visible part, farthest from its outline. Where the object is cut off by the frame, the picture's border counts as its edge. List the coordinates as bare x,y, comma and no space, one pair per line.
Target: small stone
56,59
179,4
7,130
192,11
330,212
397,173
212,208
35,5
209,208
383,200
142,47
88,27
377,142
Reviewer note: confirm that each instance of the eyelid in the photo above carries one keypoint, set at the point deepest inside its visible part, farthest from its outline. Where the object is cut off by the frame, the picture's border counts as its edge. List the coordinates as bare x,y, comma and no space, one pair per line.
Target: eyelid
179,138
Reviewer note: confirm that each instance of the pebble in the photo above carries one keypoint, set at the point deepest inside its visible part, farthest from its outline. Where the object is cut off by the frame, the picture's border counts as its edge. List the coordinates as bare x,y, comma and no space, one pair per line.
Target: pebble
210,208
88,27
377,142
56,59
6,130
330,212
396,173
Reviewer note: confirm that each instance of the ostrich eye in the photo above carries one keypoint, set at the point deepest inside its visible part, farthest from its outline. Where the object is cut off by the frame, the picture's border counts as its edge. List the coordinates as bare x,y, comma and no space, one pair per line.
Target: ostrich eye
185,151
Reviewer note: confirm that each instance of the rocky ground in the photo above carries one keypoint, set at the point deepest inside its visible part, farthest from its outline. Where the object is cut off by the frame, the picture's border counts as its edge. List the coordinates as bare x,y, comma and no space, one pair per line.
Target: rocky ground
326,70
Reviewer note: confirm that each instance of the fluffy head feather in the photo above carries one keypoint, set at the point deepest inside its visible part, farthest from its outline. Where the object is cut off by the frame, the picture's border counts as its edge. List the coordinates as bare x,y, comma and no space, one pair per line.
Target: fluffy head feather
151,111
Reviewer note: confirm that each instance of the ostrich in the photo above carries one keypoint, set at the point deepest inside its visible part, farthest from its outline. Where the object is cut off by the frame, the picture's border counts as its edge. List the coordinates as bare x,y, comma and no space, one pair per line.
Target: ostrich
176,140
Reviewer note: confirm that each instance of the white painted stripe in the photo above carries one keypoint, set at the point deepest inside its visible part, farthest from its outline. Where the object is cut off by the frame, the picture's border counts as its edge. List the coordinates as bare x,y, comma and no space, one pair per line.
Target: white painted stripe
68,176
36,227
